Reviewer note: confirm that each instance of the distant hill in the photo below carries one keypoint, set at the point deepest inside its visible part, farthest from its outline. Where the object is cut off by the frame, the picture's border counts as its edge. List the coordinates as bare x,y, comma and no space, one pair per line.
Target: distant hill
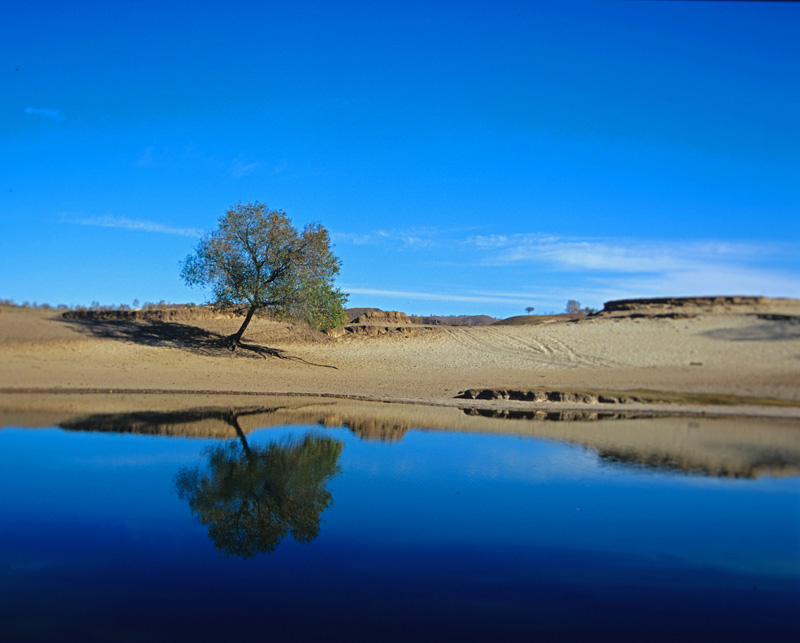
532,320
354,314
453,320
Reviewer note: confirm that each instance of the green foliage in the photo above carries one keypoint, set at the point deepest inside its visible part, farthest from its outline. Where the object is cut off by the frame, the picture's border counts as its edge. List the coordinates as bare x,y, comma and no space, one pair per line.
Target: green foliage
256,260
321,306
250,499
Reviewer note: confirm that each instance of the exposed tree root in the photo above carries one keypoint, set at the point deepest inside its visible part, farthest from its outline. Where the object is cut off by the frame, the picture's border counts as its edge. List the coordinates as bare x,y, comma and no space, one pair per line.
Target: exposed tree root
265,351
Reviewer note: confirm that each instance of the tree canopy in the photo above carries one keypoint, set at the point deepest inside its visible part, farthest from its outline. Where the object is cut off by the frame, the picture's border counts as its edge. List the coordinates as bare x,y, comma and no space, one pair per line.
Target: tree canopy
256,260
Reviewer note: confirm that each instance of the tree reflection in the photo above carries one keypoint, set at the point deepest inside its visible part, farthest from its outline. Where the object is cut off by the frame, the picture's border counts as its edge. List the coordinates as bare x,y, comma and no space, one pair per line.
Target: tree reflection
250,498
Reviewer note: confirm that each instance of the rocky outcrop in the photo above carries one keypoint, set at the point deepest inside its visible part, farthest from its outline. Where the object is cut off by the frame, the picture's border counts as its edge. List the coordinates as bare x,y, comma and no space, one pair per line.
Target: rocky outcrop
374,323
374,330
578,397
183,314
391,317
602,396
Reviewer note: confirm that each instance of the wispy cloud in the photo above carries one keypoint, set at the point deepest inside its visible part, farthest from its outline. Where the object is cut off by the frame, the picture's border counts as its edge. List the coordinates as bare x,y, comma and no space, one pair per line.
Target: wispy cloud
732,280
44,112
139,225
146,157
504,298
411,238
615,268
546,269
612,255
240,168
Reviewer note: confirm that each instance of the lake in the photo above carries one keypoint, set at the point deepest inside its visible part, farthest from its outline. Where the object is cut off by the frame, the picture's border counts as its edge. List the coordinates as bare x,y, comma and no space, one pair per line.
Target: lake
322,521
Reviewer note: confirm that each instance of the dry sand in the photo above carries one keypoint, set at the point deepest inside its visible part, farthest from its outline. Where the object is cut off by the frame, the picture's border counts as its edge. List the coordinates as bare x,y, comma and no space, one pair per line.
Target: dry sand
736,350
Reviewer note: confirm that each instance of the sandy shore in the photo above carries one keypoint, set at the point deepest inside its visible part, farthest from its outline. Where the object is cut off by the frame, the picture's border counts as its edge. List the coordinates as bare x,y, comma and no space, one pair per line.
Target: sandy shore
732,352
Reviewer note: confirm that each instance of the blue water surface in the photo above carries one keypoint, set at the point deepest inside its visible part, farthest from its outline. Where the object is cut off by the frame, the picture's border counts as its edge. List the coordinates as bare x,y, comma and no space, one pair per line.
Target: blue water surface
439,536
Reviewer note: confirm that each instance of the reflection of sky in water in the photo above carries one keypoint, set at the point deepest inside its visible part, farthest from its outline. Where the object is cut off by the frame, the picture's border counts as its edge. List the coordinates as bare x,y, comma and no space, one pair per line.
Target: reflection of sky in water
466,533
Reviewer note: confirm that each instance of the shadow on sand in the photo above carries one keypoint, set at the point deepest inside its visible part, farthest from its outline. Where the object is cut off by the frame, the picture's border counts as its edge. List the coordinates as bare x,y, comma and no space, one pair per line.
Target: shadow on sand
167,334
771,328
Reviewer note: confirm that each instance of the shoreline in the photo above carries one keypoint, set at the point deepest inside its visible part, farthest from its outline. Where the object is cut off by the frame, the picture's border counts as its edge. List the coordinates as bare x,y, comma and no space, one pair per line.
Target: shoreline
33,396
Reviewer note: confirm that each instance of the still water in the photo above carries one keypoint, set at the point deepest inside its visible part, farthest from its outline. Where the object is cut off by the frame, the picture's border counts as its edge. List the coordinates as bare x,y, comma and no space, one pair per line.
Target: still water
314,533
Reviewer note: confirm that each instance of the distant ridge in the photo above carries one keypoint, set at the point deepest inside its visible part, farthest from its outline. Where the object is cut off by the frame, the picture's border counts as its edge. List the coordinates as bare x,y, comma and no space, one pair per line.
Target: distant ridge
659,306
365,315
454,320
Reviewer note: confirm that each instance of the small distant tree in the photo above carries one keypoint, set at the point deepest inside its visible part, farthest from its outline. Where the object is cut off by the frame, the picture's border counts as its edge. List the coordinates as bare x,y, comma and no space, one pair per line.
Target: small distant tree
529,309
256,260
573,307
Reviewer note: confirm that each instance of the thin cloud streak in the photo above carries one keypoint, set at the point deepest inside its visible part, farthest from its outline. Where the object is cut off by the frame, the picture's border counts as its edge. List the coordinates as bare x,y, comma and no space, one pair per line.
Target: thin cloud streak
612,255
732,281
240,168
44,112
427,296
597,270
645,269
407,238
137,225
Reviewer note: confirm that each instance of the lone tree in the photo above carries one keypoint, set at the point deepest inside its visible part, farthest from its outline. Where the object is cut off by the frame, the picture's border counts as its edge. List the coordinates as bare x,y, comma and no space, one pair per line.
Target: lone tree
256,260
529,309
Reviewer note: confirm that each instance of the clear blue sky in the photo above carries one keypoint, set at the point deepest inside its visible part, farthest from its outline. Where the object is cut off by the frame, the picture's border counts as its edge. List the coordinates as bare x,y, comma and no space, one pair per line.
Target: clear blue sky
467,157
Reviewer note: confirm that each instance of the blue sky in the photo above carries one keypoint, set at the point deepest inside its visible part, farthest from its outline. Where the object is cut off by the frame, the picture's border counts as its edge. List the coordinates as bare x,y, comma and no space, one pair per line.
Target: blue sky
467,157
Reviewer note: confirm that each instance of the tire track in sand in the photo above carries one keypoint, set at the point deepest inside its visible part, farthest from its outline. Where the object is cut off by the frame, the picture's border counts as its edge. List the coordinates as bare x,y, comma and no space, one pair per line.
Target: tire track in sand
546,351
560,347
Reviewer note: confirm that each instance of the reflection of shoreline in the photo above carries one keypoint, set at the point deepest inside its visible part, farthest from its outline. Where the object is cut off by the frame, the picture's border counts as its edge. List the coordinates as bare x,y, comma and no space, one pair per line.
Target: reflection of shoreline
764,462
219,422
733,447
566,415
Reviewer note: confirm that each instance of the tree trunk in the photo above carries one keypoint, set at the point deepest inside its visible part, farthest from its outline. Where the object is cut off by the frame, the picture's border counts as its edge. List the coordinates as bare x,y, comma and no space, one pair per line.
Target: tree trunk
236,338
233,420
